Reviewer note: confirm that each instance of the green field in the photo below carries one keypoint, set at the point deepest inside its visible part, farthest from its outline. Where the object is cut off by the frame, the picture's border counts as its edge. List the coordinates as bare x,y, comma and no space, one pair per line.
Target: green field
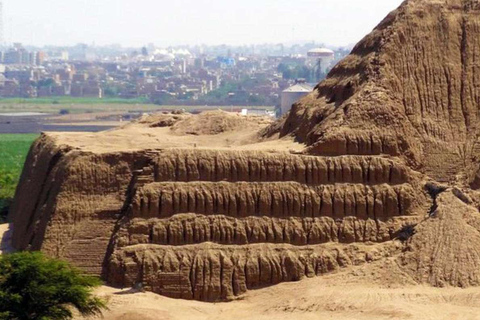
74,105
13,151
92,105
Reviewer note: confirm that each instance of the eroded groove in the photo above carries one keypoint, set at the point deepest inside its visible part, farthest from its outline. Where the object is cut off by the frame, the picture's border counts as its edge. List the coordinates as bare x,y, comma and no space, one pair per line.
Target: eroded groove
186,229
239,267
255,167
275,200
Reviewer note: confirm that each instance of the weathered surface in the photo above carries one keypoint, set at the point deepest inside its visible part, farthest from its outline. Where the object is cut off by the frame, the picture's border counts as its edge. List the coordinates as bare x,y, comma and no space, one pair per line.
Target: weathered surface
409,89
186,229
257,166
445,250
99,210
210,272
274,199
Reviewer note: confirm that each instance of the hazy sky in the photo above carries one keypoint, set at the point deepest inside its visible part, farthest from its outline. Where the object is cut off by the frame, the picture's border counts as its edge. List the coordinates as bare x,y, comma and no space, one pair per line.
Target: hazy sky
138,22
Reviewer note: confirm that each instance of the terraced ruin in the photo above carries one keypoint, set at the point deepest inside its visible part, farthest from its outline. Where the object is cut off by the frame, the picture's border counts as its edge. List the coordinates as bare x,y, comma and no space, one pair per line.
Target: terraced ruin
207,224
379,162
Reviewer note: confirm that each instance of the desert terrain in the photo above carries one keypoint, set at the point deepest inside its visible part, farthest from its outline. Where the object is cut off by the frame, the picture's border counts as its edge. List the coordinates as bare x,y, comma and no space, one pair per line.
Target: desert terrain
362,202
347,295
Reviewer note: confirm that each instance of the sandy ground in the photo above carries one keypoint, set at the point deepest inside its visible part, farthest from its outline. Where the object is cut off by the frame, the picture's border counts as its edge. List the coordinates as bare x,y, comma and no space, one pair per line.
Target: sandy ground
139,136
341,296
160,138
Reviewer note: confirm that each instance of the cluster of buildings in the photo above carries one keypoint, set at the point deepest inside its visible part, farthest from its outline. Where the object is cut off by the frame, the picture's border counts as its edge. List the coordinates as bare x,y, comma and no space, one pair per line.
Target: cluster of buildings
19,55
206,76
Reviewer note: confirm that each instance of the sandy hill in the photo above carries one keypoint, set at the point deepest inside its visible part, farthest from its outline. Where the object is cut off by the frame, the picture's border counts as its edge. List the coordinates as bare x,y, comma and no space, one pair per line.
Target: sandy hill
408,89
379,164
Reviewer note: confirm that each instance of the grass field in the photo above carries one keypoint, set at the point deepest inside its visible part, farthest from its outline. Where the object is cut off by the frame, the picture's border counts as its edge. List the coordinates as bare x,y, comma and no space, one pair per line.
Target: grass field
80,106
91,105
13,151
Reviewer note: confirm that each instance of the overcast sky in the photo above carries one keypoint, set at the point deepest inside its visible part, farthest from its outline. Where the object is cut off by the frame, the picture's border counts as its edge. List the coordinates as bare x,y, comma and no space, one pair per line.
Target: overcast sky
174,22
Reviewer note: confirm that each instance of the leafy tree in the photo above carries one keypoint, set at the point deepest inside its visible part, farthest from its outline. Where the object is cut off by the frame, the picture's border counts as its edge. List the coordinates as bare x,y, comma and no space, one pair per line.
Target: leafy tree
35,287
46,83
111,91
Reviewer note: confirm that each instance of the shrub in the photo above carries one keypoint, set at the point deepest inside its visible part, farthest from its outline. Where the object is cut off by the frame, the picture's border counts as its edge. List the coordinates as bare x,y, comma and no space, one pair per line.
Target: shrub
35,287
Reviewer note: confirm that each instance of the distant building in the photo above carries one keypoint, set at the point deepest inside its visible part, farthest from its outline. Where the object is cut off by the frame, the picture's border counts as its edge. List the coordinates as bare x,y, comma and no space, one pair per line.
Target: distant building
80,77
10,89
13,56
32,57
320,60
86,90
17,55
64,56
293,94
41,56
22,75
44,92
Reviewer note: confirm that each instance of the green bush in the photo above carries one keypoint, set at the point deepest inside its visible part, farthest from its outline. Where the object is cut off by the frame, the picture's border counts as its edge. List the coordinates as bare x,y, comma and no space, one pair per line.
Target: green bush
35,287
13,151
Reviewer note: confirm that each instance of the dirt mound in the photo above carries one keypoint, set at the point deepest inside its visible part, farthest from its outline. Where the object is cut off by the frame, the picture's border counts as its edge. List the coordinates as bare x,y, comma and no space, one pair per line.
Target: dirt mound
445,249
206,123
216,122
407,89
163,119
197,207
209,225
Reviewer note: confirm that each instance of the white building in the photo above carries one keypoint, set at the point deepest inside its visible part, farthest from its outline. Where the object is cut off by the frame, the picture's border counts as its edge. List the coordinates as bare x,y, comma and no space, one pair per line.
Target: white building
320,58
293,94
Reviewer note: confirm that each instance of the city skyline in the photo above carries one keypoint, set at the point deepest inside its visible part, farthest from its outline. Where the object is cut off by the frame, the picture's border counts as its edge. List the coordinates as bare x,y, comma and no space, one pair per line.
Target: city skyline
187,22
